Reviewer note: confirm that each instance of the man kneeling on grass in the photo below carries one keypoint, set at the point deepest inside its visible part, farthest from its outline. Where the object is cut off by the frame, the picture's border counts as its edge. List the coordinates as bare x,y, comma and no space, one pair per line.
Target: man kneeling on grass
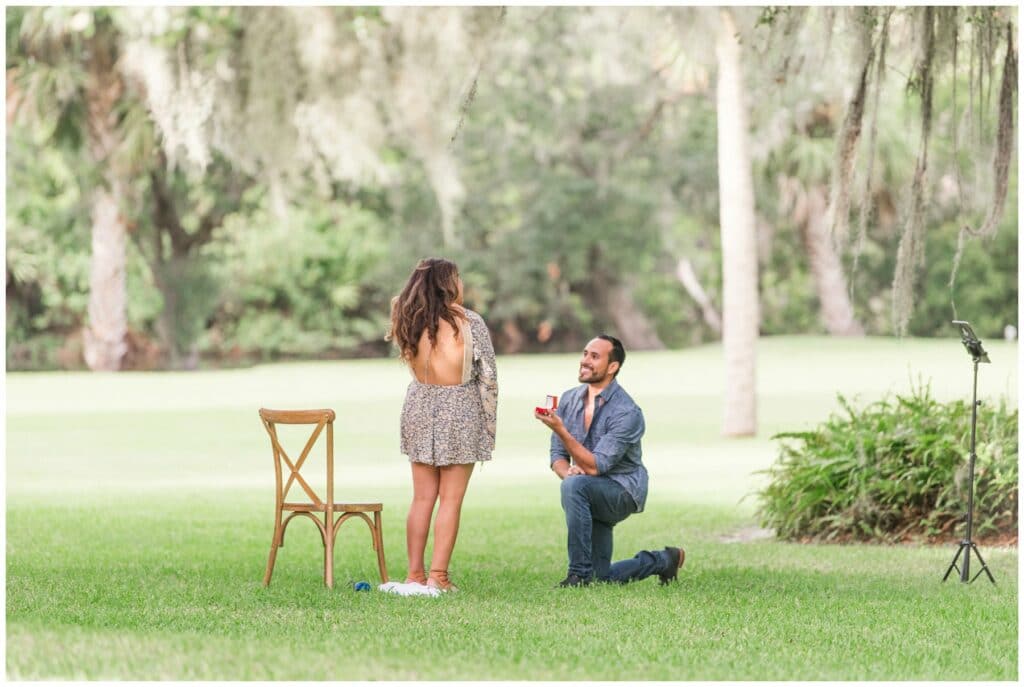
595,451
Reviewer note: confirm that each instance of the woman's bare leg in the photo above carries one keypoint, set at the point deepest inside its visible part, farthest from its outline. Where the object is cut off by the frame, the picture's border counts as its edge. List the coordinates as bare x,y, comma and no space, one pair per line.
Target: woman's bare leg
425,482
453,483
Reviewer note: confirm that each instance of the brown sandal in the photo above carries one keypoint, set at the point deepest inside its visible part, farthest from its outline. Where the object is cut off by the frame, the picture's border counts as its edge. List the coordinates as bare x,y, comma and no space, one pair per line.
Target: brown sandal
417,576
439,580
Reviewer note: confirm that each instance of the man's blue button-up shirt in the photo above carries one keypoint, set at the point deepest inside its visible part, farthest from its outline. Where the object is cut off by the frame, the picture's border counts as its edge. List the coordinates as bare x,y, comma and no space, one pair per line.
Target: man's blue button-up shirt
614,436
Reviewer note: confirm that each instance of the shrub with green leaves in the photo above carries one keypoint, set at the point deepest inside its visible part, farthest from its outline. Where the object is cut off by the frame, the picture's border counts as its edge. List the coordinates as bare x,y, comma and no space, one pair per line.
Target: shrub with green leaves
895,470
302,287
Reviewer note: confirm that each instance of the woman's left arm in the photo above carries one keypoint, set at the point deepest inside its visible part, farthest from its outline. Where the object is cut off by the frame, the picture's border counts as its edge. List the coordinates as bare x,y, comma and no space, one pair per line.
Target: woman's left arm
485,372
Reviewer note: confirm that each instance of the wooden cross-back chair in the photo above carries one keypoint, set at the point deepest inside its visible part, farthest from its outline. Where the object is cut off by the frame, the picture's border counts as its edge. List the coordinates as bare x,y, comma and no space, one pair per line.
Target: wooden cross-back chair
329,526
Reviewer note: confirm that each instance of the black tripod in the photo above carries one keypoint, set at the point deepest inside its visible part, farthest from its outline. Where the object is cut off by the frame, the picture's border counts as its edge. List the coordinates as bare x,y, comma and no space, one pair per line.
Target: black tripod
978,354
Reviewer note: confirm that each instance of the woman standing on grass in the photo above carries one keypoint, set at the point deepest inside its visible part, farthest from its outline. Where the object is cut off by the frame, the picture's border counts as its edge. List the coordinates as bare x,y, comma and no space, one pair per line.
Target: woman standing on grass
450,412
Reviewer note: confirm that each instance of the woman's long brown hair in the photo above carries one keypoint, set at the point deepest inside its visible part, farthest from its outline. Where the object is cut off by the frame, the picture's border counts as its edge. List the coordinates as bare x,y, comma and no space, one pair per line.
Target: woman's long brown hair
426,299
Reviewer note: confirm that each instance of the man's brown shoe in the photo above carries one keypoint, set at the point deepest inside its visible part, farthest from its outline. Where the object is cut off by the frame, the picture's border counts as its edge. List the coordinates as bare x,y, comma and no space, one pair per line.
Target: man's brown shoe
678,555
574,580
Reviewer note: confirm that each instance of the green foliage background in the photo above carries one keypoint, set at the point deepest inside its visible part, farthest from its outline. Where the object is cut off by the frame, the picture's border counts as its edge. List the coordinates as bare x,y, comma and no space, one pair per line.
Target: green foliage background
575,185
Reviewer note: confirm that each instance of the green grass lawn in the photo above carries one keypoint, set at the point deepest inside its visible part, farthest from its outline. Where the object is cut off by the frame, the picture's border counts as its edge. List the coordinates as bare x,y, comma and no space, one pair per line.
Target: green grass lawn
139,513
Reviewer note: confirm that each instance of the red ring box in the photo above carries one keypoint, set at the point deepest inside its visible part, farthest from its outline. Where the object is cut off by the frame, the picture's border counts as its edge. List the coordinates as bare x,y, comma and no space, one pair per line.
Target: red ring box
550,405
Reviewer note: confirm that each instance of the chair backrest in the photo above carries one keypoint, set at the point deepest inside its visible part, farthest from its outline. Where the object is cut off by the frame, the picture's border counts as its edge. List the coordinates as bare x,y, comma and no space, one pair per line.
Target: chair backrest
320,418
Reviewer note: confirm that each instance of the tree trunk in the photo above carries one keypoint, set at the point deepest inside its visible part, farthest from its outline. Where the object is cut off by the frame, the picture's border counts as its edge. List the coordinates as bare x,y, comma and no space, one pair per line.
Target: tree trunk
169,278
740,305
634,328
829,279
104,343
104,338
165,328
688,278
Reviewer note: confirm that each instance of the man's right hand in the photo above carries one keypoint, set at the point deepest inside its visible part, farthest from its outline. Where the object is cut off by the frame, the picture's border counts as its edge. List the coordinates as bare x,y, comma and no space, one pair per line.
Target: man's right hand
550,419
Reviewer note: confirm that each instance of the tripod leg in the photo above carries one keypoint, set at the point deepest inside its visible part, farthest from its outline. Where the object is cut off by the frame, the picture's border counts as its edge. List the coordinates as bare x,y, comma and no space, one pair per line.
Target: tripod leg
952,563
984,565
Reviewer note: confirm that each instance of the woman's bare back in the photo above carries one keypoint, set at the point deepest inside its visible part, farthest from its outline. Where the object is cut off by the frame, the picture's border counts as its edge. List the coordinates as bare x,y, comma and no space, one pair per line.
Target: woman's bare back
440,363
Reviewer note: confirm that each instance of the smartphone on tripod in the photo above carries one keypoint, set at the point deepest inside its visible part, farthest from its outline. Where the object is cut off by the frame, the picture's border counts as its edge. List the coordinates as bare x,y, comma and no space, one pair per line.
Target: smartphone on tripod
971,342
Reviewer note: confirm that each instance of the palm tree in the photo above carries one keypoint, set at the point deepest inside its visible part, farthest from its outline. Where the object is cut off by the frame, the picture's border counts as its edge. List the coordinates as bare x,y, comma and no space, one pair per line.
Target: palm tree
65,62
740,304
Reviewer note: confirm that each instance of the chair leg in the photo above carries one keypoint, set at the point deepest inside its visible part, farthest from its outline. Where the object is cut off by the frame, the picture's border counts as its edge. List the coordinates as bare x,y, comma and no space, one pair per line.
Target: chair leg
272,558
329,561
270,566
378,545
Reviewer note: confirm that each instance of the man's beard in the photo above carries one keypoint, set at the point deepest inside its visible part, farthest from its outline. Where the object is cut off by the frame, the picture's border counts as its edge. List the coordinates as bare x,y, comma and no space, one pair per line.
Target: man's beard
591,376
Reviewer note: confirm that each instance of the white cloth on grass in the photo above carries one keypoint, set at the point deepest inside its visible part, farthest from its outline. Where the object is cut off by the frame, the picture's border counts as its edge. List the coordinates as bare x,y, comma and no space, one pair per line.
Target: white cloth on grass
409,589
